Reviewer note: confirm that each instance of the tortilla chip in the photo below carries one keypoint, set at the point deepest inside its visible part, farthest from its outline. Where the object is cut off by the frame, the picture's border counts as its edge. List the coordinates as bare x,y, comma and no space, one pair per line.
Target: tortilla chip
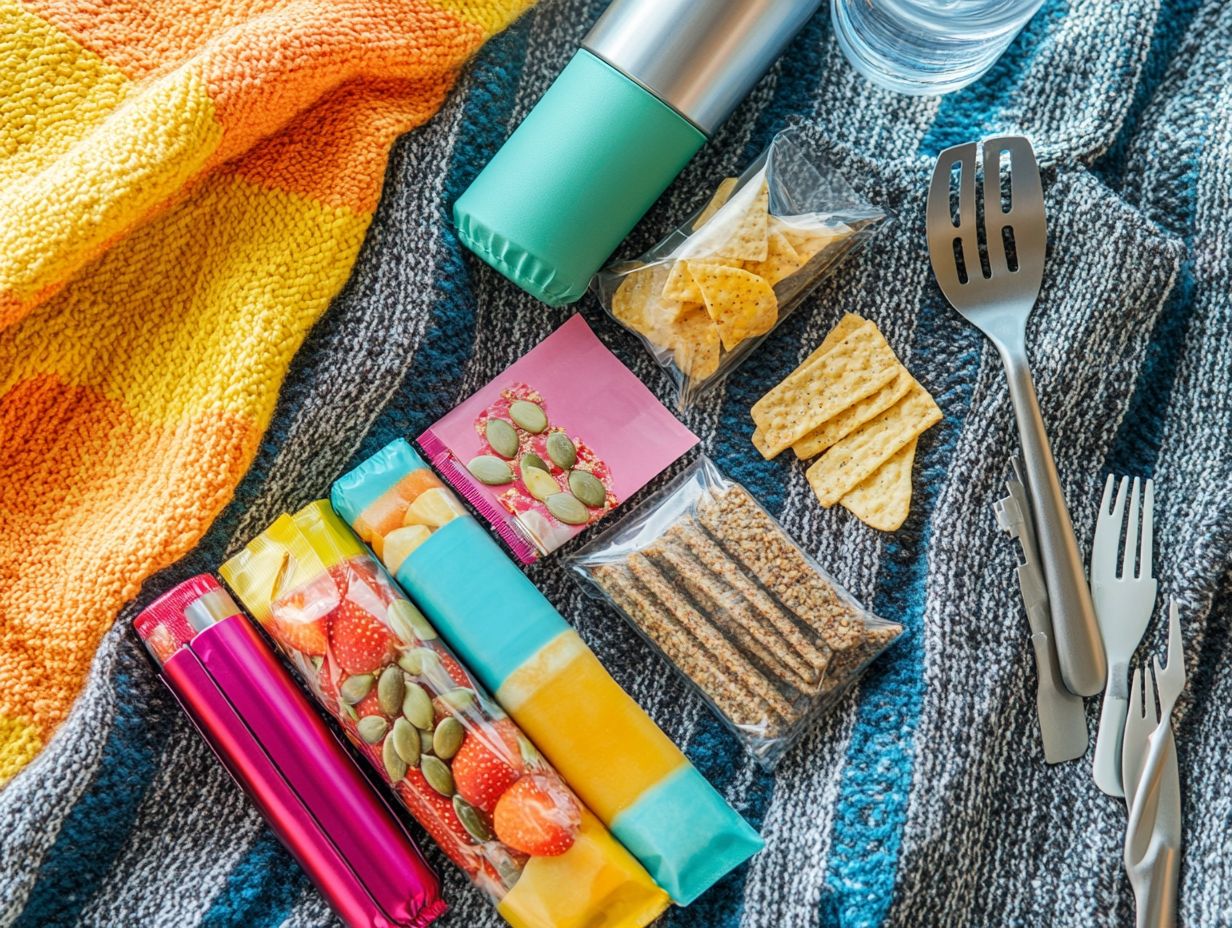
638,303
855,367
854,459
695,344
840,426
883,500
745,233
741,304
680,284
781,260
810,240
721,195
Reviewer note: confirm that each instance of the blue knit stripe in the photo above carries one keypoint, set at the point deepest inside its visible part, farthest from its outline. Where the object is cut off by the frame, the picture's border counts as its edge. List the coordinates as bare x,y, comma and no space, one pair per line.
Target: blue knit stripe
875,784
261,889
95,831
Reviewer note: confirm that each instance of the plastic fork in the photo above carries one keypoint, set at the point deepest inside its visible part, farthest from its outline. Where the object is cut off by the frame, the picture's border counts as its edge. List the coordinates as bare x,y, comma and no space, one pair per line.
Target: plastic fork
994,288
1153,789
1124,600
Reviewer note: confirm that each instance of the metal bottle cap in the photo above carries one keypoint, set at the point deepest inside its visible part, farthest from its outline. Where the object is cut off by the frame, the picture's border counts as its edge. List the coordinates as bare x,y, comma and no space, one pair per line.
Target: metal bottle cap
700,57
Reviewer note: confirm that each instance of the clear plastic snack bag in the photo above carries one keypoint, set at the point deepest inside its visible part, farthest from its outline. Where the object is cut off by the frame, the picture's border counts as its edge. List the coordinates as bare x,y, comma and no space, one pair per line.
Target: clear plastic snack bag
712,580
462,768
712,290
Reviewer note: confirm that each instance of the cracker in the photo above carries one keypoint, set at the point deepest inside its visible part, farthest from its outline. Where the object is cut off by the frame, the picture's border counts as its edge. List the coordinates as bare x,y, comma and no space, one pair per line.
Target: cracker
741,304
721,195
840,426
884,499
679,284
694,340
781,260
859,365
851,461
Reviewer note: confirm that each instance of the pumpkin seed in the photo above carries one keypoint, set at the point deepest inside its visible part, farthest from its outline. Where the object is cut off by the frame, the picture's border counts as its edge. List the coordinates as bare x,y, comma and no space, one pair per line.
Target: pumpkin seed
561,450
417,707
502,436
395,766
408,622
471,820
390,689
540,483
419,661
372,728
405,737
530,459
355,688
489,469
459,699
349,711
528,415
588,488
447,738
436,772
567,508
425,742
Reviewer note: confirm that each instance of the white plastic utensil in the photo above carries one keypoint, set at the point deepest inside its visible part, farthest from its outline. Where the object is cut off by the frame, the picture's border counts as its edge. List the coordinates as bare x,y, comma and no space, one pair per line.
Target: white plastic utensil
1124,599
1153,787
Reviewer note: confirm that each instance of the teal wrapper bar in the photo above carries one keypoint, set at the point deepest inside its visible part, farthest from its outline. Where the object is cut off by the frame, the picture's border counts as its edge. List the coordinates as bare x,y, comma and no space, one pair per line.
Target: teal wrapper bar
606,747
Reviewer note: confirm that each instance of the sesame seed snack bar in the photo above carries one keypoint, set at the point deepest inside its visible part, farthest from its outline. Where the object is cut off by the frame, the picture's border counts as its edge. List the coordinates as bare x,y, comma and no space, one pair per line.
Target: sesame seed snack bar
751,621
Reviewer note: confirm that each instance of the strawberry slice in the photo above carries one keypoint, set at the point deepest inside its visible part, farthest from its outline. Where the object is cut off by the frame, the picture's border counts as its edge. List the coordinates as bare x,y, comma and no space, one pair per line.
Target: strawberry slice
358,641
480,773
291,631
435,813
537,816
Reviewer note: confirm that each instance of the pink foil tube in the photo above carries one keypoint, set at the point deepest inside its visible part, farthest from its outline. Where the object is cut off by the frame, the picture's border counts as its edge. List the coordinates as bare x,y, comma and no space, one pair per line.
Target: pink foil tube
309,790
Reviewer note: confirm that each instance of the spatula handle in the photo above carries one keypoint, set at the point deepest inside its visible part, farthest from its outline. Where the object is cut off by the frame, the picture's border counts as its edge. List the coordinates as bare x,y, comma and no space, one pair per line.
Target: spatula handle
1080,652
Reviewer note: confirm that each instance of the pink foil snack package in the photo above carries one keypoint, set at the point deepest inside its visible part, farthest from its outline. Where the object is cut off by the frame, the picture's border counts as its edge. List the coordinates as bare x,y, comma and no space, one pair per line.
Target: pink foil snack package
554,443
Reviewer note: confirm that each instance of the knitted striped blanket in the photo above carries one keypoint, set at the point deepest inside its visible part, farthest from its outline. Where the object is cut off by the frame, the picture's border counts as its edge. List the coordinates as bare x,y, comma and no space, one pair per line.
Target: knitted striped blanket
923,801
183,189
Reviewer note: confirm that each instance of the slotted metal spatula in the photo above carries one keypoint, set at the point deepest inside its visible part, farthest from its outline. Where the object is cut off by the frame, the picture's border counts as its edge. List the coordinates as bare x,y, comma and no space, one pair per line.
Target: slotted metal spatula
991,271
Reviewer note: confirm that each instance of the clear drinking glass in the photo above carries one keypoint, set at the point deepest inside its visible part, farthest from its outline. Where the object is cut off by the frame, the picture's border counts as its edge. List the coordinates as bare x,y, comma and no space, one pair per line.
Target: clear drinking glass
927,46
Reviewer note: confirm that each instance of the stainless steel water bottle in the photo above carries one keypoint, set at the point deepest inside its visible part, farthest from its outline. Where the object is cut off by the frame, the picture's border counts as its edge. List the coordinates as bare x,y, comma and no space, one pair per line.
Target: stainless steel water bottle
652,81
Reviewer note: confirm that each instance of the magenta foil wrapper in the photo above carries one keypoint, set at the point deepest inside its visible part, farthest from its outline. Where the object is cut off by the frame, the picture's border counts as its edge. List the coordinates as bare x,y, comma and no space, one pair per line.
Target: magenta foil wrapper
308,788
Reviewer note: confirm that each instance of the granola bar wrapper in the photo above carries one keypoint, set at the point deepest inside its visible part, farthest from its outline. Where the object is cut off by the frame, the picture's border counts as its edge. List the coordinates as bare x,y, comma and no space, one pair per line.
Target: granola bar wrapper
603,743
554,443
713,289
742,612
462,768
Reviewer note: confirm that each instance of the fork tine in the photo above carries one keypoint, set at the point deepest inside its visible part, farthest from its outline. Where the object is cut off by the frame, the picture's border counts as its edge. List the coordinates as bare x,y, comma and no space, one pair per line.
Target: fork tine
1146,552
1107,498
1174,672
1131,534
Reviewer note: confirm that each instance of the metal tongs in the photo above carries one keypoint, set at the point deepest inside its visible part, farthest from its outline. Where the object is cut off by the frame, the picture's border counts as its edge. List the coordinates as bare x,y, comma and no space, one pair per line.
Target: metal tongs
1063,723
1152,786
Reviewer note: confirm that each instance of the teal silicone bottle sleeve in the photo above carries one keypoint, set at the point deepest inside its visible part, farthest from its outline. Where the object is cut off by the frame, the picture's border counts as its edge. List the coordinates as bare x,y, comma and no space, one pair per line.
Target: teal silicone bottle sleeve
574,178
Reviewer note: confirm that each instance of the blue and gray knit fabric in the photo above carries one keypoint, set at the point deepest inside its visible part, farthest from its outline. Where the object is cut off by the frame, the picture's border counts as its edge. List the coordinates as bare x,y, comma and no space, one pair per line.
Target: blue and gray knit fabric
924,800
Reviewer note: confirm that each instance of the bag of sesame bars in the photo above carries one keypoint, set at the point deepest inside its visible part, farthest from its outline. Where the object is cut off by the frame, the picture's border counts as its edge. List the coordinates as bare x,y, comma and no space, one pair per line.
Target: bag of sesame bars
712,580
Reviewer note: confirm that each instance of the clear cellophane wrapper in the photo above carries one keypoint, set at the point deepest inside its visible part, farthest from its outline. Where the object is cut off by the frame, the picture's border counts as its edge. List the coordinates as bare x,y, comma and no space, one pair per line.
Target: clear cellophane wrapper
712,290
456,761
750,620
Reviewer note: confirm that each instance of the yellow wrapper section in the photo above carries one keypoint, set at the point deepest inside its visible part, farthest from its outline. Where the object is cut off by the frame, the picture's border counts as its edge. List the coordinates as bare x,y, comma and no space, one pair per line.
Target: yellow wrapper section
597,884
579,716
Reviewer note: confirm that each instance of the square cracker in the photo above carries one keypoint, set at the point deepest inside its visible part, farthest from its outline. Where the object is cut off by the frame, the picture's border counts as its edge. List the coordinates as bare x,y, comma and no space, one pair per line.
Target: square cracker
858,365
883,500
840,426
854,459
781,260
